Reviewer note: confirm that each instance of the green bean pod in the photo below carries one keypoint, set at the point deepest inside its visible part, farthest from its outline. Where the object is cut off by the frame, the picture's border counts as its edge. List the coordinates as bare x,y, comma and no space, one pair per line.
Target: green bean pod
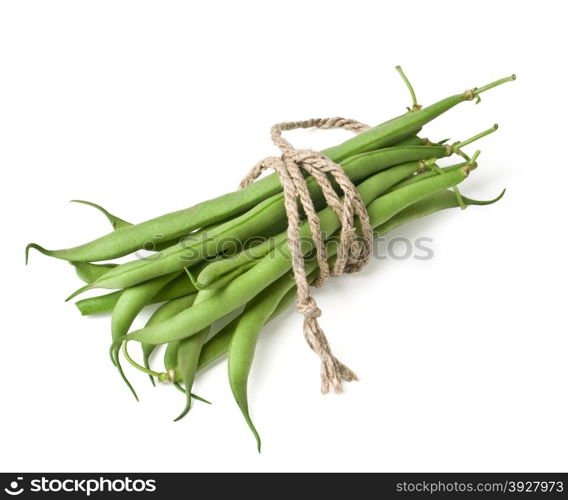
396,129
88,272
165,311
413,140
243,342
130,303
429,205
170,356
99,304
186,363
427,174
189,350
178,287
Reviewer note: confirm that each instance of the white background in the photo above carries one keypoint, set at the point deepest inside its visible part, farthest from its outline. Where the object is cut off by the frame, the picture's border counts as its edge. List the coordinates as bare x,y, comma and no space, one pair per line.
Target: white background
148,107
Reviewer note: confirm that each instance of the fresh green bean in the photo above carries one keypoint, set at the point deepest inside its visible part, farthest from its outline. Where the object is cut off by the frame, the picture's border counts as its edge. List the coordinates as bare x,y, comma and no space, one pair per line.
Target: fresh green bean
187,356
170,356
420,176
130,303
395,130
178,287
165,311
189,349
243,343
429,205
413,140
162,376
99,304
217,299
88,272
118,223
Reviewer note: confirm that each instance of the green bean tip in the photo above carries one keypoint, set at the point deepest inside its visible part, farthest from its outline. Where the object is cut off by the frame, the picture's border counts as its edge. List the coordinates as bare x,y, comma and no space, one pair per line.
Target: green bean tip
184,412
470,201
199,398
81,310
79,291
37,247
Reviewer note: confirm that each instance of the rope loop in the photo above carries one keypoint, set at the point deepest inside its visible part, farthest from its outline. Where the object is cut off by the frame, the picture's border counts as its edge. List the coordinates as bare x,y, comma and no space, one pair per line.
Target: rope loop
353,252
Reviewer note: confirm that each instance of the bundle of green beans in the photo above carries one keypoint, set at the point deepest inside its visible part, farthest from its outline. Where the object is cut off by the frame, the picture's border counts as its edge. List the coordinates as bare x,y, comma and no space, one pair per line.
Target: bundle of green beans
221,269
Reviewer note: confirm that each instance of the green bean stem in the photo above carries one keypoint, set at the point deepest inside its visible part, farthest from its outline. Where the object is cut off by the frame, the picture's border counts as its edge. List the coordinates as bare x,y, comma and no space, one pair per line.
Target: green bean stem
415,105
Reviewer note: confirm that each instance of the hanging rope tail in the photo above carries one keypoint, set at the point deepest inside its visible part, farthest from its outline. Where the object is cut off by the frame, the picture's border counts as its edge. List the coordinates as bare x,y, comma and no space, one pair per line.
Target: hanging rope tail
353,253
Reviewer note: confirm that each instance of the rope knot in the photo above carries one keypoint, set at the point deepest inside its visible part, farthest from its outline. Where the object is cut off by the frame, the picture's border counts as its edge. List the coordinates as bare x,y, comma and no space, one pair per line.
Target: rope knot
300,156
352,254
309,309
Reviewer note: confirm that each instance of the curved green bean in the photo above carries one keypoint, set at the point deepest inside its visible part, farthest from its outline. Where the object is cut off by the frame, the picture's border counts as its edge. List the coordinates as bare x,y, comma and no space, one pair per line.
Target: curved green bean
165,311
130,303
189,349
244,338
118,223
177,288
394,130
88,272
99,304
430,204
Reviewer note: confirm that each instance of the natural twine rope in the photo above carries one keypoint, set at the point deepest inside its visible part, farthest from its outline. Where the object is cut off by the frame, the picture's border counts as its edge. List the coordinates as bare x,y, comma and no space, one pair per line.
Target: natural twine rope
352,253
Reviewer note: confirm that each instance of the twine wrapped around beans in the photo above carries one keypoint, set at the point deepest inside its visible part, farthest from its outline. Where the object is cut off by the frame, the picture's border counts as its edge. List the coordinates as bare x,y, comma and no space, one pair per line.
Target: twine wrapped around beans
352,253
398,180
